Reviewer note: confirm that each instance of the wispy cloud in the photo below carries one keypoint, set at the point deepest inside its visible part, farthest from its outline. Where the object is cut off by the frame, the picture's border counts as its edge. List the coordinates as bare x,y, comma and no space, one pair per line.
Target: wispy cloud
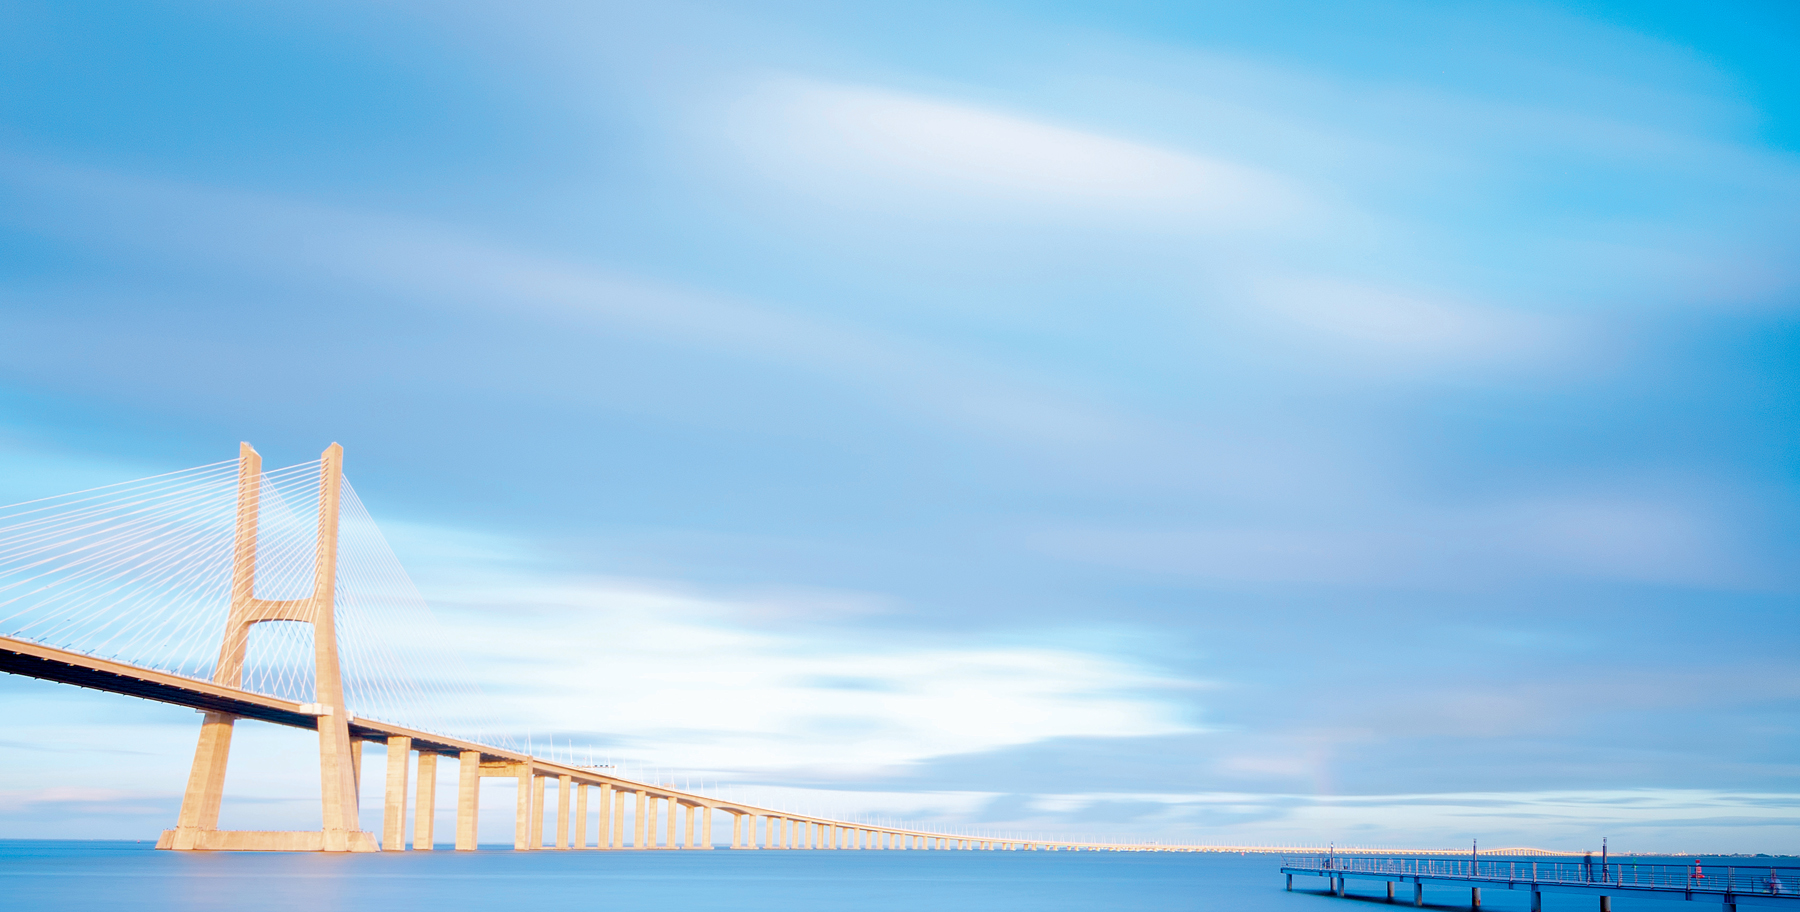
674,679
894,144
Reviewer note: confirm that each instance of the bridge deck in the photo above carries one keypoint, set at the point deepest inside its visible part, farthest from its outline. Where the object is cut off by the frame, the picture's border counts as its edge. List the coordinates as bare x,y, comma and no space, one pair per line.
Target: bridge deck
1726,884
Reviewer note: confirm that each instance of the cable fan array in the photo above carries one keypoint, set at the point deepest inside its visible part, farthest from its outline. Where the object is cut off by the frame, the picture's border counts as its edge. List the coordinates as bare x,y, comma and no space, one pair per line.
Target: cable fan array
140,572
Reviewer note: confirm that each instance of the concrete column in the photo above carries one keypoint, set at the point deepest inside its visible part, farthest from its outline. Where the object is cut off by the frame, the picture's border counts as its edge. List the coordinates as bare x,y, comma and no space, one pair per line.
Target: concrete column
425,803
618,818
1419,893
650,827
674,838
737,829
538,786
687,823
603,837
750,826
1290,883
637,823
1605,904
1537,901
581,815
356,752
706,819
206,782
522,841
1474,897
562,811
1390,891
468,798
393,810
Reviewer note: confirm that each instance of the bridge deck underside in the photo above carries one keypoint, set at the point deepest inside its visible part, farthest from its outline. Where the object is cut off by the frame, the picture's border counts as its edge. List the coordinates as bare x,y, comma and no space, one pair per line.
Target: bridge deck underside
52,664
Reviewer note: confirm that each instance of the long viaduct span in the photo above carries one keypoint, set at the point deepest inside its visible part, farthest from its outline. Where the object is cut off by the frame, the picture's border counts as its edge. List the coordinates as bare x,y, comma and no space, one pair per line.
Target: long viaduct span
272,596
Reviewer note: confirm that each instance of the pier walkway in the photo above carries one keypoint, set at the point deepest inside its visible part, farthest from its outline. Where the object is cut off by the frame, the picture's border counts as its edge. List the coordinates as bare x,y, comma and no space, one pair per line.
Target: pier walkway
1728,885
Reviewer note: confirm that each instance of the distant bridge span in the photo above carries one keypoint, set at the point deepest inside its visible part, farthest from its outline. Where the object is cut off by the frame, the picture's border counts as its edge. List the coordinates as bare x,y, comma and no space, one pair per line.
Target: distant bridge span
148,551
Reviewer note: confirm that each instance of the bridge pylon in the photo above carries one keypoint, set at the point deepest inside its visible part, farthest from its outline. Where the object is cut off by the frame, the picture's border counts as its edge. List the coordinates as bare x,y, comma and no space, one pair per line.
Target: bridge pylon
197,826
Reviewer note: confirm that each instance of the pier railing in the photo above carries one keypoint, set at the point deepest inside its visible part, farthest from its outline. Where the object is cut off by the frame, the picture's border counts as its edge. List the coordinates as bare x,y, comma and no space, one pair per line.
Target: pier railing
1694,878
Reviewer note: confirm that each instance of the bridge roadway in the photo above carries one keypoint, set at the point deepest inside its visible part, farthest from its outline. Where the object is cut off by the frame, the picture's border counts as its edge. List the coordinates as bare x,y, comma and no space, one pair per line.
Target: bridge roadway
1724,884
783,829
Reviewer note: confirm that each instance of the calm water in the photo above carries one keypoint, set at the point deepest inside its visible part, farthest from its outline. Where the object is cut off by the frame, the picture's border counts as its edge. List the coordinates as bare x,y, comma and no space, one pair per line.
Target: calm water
132,876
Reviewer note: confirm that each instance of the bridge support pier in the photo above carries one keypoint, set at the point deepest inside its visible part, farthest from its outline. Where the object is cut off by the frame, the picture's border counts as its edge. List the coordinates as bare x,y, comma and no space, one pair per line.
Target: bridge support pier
1390,891
1475,897
196,828
522,808
563,784
581,816
1605,904
206,785
425,802
468,798
1419,896
393,809
647,822
1537,901
615,835
606,837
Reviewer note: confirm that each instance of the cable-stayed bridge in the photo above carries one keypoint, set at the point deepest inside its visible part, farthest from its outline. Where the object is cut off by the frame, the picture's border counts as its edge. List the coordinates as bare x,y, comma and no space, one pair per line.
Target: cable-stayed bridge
273,596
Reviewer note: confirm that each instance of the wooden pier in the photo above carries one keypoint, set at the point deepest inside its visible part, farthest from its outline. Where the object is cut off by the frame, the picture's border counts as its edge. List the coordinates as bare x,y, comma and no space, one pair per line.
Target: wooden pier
1727,885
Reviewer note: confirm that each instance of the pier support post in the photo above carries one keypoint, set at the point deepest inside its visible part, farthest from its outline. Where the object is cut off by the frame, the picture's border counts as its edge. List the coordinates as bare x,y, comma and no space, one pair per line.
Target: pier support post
1475,897
562,810
1290,885
1419,894
1605,904
425,803
581,815
603,837
1390,891
206,782
706,817
1537,901
637,822
393,810
617,839
653,838
468,798
522,809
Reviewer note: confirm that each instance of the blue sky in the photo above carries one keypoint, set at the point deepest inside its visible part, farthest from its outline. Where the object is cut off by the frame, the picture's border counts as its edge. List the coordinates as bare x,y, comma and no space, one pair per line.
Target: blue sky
1268,423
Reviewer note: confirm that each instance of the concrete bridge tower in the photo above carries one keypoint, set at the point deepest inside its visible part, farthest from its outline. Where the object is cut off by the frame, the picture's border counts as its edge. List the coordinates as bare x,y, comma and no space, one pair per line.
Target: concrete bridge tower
197,827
